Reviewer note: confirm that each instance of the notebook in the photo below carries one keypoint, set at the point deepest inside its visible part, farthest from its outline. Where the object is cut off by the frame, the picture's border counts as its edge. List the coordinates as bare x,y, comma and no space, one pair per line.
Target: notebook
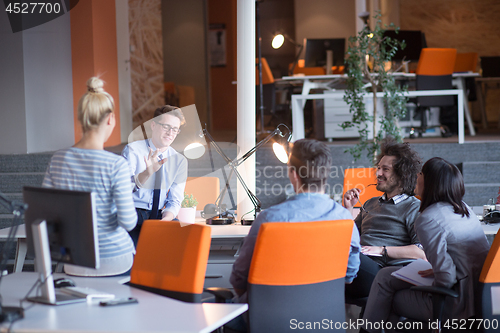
410,274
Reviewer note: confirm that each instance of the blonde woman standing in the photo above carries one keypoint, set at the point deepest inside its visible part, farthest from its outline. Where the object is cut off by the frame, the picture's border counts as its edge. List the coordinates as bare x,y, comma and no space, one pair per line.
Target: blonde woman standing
88,167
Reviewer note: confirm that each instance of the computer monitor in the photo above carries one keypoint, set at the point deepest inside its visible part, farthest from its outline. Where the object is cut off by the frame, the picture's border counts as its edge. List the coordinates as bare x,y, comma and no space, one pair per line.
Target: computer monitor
316,51
61,225
414,40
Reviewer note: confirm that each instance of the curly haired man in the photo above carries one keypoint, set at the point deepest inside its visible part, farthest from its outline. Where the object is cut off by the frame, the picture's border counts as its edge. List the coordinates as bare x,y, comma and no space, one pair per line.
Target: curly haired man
386,223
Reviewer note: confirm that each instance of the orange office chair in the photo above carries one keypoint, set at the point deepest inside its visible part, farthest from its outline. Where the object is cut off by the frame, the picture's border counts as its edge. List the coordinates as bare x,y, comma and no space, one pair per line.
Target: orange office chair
298,271
466,62
434,72
204,189
171,260
362,178
279,110
300,69
489,283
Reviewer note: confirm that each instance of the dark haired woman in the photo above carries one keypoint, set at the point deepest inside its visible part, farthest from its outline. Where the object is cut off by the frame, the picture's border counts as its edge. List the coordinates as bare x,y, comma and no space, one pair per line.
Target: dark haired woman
455,246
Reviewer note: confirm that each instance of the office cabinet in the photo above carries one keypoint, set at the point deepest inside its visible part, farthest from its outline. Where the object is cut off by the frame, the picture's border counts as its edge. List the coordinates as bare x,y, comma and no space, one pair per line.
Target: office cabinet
223,253
336,111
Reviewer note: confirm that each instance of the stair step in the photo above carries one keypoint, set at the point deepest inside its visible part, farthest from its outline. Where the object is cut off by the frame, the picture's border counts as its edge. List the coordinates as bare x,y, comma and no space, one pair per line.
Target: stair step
481,172
14,182
24,162
479,194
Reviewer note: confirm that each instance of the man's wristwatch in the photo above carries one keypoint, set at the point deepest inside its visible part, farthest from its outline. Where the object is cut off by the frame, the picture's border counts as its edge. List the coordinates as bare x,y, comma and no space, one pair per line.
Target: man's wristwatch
384,253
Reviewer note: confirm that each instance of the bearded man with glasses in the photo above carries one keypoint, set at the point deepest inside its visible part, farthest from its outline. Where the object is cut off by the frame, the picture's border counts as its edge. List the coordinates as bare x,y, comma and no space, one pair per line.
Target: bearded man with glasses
159,171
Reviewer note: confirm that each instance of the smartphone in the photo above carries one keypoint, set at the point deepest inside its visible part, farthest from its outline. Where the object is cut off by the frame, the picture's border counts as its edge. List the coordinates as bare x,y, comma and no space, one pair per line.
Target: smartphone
118,301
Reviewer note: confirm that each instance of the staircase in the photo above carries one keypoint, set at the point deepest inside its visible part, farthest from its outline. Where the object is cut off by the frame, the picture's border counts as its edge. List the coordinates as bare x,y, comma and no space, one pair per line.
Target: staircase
479,162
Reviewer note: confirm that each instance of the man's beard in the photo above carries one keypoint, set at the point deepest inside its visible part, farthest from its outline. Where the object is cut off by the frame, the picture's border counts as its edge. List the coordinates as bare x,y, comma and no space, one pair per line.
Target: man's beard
388,186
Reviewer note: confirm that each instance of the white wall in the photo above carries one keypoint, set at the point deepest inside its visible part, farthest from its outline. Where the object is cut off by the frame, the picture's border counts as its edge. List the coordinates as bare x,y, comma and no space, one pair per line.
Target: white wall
36,91
184,48
324,19
12,105
49,86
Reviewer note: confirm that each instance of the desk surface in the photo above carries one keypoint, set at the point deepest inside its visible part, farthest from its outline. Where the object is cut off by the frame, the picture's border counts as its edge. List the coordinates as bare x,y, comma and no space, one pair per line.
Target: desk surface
218,231
240,231
153,313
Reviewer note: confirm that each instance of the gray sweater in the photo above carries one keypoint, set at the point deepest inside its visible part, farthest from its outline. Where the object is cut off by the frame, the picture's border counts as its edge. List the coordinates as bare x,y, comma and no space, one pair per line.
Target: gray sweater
386,223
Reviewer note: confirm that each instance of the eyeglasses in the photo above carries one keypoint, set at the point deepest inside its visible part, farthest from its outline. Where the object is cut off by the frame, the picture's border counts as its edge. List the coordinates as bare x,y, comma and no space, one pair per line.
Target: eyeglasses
167,128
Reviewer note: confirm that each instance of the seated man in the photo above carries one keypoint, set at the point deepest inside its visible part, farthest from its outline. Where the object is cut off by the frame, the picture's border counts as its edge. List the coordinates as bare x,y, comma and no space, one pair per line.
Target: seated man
386,223
308,169
159,172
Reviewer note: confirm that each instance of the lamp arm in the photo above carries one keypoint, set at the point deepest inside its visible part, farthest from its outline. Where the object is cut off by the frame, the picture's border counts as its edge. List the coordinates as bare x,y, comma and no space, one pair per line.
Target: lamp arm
222,194
216,146
233,165
15,207
300,46
296,58
255,201
257,146
263,142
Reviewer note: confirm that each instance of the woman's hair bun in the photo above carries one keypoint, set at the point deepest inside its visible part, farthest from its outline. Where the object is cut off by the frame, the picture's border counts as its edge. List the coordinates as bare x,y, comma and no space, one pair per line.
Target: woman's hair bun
95,85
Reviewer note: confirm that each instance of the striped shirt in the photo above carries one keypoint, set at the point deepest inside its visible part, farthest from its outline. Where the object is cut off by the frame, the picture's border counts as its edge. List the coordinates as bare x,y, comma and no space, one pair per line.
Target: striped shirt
107,175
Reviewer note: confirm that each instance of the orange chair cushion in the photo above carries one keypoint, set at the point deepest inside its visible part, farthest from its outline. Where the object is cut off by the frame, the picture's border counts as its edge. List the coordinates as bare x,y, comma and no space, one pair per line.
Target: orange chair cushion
204,189
361,178
491,267
434,61
171,257
297,253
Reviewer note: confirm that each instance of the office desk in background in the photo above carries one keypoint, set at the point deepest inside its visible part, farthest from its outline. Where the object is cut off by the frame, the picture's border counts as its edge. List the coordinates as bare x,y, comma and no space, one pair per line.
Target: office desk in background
153,313
483,84
327,82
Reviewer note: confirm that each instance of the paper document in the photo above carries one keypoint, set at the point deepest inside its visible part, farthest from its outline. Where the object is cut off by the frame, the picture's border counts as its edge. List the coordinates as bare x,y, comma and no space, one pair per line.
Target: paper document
89,293
410,274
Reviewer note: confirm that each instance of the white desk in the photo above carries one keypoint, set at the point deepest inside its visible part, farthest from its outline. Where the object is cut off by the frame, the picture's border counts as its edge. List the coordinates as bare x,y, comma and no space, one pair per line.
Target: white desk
21,247
219,232
298,111
153,313
326,82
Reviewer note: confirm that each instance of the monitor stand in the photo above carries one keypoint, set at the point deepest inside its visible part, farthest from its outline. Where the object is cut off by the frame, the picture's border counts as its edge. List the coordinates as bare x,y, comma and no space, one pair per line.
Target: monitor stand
44,266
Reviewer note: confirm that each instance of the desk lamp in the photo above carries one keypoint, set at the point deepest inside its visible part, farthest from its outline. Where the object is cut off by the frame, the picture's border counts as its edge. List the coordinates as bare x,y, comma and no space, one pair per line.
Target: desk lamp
278,41
17,208
217,213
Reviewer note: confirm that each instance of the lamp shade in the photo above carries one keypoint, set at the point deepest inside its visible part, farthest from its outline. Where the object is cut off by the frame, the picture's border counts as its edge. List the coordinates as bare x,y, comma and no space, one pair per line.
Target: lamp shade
281,152
278,41
194,150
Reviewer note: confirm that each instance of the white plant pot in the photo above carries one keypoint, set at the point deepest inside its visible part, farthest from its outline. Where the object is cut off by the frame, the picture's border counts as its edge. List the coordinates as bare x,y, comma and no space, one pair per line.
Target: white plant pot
187,215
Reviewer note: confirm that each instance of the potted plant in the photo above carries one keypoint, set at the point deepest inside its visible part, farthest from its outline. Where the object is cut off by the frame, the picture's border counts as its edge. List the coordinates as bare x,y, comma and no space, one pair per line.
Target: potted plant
367,55
187,212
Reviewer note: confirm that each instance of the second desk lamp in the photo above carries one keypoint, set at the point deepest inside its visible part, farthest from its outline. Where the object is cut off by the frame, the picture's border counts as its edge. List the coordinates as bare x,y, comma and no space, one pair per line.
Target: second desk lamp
217,213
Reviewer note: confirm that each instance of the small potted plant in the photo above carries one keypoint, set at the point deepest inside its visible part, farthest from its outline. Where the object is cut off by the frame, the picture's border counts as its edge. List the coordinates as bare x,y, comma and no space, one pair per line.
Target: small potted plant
187,213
